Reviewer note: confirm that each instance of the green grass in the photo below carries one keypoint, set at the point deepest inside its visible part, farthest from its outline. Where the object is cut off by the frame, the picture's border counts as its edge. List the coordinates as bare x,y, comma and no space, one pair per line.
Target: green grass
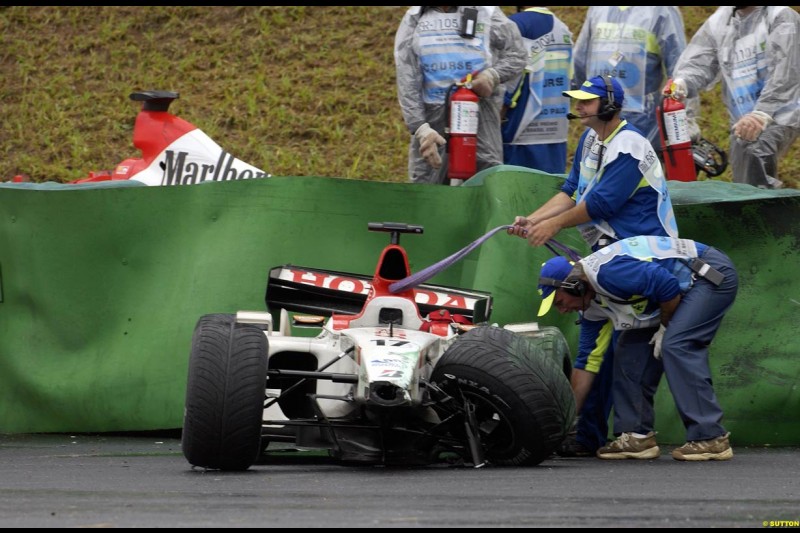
292,90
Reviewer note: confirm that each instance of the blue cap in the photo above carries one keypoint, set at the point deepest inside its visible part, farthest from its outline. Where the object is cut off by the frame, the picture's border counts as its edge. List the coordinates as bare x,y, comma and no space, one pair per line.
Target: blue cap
557,268
596,88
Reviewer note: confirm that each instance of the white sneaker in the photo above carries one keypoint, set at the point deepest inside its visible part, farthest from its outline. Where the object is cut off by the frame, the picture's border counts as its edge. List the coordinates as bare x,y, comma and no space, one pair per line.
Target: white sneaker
774,183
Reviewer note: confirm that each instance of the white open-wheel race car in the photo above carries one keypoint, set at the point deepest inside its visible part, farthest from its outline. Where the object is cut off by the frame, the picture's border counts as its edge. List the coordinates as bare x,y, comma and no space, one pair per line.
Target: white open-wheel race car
415,377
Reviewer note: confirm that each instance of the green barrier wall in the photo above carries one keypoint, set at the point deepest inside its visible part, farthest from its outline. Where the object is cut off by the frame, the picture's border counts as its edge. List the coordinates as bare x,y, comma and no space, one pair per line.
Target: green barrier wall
102,286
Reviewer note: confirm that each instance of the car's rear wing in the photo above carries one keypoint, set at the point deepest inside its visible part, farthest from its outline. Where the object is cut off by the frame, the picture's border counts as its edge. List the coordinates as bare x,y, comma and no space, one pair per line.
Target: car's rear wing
324,292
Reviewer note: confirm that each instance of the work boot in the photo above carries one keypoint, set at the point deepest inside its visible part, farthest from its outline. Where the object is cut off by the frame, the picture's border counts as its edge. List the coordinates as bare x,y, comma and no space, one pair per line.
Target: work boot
628,446
717,449
570,447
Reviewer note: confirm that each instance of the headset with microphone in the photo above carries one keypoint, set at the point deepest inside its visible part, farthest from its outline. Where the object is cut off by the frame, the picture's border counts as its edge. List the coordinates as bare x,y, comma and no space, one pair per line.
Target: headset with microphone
575,286
573,116
572,286
608,106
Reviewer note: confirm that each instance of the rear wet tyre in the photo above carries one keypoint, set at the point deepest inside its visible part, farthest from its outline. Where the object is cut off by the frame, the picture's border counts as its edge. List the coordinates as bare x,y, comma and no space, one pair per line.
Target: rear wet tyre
550,340
225,393
523,400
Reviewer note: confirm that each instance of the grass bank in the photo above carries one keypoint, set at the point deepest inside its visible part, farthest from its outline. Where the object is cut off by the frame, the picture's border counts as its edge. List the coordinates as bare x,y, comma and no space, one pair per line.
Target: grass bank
292,90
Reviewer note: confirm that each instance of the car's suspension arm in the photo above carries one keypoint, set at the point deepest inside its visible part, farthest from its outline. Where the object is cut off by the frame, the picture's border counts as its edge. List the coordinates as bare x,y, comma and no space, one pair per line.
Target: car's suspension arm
336,378
317,371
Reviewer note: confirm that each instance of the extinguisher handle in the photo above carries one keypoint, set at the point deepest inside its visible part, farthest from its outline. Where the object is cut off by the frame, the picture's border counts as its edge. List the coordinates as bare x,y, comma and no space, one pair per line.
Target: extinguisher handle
676,89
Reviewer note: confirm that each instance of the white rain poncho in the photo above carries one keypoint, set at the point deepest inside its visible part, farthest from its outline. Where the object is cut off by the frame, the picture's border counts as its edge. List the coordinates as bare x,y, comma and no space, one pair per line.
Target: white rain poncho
638,45
757,57
430,56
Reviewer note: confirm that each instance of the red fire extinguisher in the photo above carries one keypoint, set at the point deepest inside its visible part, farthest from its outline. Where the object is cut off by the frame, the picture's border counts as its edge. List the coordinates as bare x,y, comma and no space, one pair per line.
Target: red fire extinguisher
674,129
462,146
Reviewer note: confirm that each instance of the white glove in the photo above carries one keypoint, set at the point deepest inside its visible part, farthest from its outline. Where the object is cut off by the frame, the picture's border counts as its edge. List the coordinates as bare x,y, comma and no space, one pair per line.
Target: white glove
485,82
429,143
677,89
656,341
750,126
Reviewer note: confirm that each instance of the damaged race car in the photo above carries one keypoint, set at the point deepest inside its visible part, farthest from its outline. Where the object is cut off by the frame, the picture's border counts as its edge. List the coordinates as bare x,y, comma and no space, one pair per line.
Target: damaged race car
173,150
415,376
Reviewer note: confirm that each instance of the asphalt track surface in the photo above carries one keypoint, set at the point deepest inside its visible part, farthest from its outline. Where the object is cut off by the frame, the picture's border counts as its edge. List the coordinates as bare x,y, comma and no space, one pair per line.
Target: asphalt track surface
94,481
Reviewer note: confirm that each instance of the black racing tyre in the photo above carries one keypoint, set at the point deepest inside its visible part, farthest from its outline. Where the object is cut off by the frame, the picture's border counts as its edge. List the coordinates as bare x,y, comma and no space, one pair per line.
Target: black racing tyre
551,341
225,393
523,402
215,318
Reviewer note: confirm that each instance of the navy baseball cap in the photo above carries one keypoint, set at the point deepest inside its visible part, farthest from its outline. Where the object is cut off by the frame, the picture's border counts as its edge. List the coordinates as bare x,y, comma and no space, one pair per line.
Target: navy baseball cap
557,268
596,88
